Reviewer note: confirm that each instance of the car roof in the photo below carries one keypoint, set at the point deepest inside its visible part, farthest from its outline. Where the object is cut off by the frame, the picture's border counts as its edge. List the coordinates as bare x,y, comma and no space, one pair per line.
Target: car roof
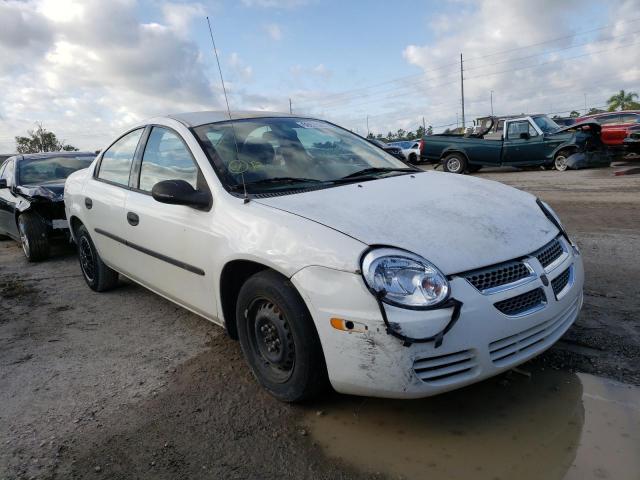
195,119
621,112
36,156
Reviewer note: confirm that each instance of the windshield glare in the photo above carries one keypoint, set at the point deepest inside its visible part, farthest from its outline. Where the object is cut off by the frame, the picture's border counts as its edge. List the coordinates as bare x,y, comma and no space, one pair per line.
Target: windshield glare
288,148
546,124
50,170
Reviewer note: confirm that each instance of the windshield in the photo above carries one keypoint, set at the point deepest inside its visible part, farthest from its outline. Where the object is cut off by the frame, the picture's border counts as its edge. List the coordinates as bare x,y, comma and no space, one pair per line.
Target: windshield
291,153
546,124
50,170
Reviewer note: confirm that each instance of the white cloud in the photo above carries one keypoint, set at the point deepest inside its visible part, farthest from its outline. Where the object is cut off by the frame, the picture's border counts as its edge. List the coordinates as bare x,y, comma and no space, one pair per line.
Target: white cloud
529,76
274,31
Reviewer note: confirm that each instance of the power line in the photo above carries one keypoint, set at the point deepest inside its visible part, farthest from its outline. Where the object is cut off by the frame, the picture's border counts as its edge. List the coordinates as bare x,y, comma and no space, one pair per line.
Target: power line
422,80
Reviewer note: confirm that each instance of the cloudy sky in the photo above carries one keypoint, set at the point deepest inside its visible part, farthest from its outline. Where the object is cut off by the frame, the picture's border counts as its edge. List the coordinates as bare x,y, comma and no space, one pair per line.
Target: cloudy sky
89,68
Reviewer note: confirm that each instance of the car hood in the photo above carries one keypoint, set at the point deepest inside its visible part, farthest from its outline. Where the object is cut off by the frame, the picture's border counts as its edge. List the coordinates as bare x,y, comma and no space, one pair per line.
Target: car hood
457,222
50,191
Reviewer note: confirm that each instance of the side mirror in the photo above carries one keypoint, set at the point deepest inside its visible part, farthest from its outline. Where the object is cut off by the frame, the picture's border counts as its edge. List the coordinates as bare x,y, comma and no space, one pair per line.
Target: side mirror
525,136
3,183
179,192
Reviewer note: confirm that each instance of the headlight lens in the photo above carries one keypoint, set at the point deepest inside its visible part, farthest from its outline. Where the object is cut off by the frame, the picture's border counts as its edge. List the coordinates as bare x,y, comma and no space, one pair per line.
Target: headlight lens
407,279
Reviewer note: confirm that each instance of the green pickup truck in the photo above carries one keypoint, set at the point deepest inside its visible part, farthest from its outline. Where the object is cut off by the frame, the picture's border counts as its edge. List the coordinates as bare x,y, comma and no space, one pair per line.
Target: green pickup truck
526,141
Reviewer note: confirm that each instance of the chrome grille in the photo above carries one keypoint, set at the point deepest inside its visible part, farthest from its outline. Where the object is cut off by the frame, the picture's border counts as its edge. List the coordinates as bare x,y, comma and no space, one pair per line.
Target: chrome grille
561,281
502,274
442,369
522,303
549,253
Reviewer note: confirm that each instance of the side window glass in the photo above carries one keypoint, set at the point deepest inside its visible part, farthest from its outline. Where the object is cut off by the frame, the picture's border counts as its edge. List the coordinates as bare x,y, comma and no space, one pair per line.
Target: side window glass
166,158
7,172
516,128
532,131
116,161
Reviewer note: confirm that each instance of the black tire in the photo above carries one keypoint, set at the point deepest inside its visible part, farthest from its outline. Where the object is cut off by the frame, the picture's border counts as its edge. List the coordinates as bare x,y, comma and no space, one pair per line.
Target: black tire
454,163
98,276
278,338
34,237
413,159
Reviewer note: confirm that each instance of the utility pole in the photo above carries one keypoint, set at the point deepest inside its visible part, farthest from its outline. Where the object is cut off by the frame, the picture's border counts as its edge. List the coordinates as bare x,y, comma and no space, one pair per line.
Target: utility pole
462,90
290,109
424,126
457,124
492,103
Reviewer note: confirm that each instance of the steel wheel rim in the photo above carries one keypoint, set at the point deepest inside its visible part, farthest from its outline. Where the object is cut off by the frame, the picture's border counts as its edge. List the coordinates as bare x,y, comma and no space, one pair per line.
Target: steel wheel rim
561,163
271,340
453,164
24,240
87,260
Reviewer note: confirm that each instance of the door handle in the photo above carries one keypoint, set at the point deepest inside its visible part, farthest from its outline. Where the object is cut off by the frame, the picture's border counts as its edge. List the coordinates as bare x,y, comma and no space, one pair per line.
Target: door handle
133,219
88,203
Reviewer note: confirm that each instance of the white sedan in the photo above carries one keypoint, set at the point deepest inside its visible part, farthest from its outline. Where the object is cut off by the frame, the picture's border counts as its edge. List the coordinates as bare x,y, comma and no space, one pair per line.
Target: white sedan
411,149
329,259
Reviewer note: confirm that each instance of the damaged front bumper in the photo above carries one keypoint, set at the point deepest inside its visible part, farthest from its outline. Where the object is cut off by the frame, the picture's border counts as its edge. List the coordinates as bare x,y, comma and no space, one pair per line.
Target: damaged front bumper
364,359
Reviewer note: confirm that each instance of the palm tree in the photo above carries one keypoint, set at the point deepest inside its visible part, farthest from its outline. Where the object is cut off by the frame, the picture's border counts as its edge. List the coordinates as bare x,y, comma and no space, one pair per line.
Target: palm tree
622,100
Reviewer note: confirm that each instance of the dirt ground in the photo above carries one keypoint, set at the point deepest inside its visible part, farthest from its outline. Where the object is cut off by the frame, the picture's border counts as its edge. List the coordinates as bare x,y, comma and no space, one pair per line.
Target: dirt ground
125,384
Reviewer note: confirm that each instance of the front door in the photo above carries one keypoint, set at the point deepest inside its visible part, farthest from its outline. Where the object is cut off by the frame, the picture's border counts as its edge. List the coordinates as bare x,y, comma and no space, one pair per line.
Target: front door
523,145
173,245
8,201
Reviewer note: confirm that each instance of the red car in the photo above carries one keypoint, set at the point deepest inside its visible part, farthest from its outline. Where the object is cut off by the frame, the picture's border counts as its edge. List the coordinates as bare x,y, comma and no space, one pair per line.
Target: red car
616,126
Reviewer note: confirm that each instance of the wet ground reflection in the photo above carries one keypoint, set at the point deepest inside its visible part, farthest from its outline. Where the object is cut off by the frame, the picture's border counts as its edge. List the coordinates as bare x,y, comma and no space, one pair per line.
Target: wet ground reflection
553,425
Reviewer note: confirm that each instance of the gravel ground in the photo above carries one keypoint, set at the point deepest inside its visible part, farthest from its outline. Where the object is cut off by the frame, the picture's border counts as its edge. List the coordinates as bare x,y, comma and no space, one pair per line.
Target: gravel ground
125,384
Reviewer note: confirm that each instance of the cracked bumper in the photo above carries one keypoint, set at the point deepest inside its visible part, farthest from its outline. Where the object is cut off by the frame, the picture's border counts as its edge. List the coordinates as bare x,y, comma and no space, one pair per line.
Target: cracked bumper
483,342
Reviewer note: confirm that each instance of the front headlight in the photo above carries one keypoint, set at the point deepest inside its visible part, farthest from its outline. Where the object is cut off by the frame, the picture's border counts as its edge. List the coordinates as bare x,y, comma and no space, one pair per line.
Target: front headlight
407,279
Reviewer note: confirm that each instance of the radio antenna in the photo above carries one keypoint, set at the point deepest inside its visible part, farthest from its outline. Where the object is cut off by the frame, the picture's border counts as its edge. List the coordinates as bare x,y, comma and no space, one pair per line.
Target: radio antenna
226,99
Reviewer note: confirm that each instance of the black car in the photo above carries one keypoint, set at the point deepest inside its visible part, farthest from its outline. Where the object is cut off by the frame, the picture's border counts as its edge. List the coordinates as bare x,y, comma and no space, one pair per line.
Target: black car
395,151
31,198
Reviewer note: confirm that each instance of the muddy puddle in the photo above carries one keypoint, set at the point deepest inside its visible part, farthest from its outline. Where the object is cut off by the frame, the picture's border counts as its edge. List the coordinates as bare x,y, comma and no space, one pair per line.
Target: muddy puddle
553,425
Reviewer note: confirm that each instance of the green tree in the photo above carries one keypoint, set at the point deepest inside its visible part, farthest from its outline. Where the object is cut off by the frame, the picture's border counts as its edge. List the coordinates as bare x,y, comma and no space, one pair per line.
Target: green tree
622,101
420,132
429,130
41,140
593,111
574,114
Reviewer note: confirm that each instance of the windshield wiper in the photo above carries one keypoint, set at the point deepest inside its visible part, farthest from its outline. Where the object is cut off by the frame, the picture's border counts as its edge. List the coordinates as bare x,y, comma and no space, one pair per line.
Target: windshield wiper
277,181
373,170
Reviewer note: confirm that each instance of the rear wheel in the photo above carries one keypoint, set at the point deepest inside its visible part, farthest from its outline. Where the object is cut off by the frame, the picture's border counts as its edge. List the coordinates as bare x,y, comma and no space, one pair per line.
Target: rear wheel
98,276
279,339
34,237
454,163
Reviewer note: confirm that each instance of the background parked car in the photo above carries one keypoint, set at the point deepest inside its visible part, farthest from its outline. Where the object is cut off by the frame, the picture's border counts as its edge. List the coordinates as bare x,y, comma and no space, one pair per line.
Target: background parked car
564,121
392,149
616,126
31,198
410,149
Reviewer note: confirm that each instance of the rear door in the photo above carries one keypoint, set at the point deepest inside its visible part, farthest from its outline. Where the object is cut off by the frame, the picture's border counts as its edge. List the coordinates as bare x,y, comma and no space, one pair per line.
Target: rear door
167,241
8,200
105,195
523,144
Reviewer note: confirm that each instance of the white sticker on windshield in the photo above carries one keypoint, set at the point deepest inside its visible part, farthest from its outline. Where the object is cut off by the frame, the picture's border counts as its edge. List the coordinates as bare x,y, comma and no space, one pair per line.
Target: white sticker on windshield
312,124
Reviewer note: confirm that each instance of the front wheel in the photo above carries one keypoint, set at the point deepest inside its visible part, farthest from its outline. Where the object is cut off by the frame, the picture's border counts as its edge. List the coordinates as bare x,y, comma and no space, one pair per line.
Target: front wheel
413,159
454,163
98,276
33,237
278,338
560,162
